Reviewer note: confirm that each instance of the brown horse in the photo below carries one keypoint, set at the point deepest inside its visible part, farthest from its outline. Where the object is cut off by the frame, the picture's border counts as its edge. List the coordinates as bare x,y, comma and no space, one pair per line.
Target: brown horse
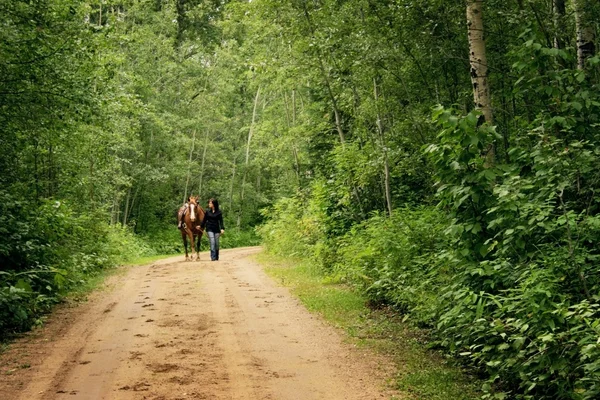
190,229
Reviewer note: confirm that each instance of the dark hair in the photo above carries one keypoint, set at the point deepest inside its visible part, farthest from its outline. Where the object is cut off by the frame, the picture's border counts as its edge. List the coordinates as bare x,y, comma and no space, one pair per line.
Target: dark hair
215,203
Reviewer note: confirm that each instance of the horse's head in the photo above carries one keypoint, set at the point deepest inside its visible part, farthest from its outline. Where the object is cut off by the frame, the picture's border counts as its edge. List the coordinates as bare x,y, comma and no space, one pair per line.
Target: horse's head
193,208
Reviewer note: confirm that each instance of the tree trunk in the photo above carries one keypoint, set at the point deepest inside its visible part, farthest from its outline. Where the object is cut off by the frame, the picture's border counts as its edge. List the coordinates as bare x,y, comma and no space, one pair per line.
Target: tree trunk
126,211
478,59
479,66
559,23
114,214
92,193
181,22
585,32
202,164
325,75
291,124
232,182
386,166
187,182
250,133
133,199
294,140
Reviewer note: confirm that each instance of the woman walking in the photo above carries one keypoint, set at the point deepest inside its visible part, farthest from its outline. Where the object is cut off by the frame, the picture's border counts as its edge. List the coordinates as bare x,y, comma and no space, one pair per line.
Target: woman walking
213,222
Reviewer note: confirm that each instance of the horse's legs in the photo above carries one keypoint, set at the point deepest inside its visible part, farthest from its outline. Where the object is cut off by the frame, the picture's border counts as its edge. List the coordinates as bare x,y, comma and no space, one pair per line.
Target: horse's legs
199,236
184,238
191,236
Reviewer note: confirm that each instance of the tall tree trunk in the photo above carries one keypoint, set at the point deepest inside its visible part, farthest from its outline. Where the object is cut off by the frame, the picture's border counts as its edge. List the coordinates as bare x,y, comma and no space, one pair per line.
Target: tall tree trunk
325,76
133,199
232,182
478,59
294,147
92,193
336,110
126,210
181,22
202,163
291,124
114,214
479,66
250,133
187,182
585,31
559,23
386,166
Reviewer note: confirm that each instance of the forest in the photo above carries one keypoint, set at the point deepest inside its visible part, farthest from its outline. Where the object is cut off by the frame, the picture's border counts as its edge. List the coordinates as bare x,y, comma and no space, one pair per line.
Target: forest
441,157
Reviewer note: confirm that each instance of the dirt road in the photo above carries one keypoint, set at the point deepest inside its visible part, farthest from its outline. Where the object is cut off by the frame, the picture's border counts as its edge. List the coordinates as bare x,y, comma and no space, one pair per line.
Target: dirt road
189,330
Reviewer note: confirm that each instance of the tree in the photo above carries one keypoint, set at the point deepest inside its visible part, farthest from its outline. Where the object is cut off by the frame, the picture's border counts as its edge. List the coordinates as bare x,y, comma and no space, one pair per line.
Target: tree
585,31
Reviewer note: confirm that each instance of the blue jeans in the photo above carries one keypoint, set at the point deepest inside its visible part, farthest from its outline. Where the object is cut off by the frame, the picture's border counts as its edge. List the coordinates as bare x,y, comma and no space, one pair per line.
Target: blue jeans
214,244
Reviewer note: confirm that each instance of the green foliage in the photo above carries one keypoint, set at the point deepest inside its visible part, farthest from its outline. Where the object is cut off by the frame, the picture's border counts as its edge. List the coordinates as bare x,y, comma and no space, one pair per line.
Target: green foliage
523,304
112,112
288,231
46,250
394,261
232,239
164,240
20,306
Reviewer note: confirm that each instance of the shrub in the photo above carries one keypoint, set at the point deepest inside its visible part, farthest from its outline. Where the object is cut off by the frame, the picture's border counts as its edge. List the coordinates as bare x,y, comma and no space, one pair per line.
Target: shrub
523,304
290,230
44,254
394,260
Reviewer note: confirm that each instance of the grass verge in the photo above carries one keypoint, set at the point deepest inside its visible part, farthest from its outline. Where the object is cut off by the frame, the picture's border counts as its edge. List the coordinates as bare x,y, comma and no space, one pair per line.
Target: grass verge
421,372
149,259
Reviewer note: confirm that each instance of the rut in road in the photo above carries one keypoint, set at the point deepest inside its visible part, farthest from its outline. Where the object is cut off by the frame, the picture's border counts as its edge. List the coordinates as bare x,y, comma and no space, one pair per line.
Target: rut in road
194,330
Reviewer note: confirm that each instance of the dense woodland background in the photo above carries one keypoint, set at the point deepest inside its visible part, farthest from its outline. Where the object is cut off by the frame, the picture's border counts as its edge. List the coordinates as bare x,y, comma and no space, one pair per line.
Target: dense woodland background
441,156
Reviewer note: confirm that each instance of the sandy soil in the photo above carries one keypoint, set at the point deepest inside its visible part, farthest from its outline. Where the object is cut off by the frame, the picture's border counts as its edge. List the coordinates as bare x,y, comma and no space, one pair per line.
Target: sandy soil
190,330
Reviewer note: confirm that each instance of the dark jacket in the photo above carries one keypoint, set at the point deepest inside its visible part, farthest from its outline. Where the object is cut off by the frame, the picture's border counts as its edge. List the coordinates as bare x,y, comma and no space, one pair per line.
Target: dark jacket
213,221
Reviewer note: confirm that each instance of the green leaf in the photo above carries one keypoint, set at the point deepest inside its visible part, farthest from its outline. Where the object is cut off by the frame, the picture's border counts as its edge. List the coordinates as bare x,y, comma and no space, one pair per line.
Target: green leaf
24,285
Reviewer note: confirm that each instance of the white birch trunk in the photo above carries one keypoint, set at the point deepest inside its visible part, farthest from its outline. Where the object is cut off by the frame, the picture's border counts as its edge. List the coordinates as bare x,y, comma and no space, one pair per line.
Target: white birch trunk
559,23
250,133
478,59
386,166
585,32
479,66
294,147
232,183
126,211
187,182
202,164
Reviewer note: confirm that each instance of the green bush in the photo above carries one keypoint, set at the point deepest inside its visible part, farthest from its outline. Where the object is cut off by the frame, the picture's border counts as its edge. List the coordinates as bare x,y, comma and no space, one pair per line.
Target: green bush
165,239
504,271
524,302
233,238
291,228
46,253
394,260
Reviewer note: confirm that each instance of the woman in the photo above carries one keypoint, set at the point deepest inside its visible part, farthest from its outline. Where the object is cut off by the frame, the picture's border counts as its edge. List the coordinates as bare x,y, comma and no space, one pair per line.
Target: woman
213,221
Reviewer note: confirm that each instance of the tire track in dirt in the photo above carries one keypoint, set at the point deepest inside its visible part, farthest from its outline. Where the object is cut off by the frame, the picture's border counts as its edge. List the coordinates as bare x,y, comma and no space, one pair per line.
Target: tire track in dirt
193,330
